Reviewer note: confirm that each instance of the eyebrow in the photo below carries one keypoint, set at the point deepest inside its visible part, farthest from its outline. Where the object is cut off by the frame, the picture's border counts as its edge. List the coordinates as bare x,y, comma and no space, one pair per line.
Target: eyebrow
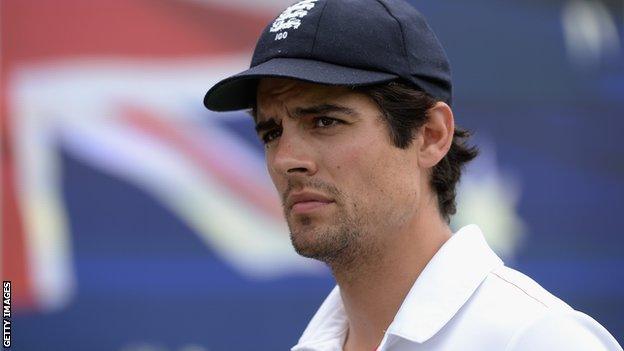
266,125
324,108
303,111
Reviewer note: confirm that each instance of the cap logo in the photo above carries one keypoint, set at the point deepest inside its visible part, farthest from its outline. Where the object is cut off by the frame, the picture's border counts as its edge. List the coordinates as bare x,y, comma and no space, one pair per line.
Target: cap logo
291,18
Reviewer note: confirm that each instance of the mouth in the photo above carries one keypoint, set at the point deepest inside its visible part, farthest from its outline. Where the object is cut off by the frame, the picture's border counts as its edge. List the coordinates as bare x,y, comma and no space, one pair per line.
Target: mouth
309,206
306,202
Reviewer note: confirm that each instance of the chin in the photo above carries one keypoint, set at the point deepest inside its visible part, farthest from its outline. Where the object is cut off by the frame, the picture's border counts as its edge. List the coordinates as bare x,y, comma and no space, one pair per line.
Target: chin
307,241
308,250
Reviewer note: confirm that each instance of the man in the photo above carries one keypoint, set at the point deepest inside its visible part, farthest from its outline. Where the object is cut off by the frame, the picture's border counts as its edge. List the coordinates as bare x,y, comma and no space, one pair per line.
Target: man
352,101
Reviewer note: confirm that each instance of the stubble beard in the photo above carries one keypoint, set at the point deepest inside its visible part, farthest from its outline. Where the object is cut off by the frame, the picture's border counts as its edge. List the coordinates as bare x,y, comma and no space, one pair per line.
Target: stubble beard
342,241
352,238
327,242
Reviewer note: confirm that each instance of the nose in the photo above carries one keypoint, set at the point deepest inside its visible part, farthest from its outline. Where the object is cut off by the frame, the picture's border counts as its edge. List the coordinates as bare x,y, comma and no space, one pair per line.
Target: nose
293,155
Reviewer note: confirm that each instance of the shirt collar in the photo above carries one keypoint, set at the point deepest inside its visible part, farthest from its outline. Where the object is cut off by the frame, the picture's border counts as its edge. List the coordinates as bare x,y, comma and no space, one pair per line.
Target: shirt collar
328,328
446,283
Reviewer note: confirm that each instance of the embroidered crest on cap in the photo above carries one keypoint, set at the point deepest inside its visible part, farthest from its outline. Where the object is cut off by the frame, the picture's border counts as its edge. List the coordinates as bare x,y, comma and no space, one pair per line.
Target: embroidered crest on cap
291,18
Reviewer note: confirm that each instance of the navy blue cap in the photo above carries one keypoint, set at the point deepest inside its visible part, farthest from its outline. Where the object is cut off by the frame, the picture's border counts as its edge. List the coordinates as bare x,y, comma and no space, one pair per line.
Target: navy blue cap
342,42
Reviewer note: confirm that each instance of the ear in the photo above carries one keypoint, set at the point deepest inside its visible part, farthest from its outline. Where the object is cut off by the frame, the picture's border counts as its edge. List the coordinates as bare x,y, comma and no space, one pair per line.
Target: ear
436,135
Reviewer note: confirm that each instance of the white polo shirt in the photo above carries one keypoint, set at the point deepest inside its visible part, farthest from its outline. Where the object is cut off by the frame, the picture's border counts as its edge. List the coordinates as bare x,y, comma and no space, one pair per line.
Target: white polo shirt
466,299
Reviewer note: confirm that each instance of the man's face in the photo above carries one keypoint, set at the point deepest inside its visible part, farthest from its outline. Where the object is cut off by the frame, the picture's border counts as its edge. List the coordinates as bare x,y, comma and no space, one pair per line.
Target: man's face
345,187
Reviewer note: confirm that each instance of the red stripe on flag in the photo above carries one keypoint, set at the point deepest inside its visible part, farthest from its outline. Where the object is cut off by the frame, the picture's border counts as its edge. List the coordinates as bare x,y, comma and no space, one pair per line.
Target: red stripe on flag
46,29
14,256
177,138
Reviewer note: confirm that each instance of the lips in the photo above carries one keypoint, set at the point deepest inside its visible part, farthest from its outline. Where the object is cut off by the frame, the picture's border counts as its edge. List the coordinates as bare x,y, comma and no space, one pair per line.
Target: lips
307,201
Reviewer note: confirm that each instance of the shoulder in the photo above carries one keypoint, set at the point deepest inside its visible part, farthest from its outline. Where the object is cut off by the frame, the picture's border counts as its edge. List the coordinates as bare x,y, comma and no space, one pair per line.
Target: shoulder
563,330
507,300
529,317
513,287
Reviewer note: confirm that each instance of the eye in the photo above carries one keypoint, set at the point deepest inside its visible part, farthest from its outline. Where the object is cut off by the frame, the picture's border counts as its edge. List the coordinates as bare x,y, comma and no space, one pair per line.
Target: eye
323,122
271,135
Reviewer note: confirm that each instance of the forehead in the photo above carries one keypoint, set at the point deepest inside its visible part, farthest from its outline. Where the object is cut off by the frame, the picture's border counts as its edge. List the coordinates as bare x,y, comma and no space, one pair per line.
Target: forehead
277,93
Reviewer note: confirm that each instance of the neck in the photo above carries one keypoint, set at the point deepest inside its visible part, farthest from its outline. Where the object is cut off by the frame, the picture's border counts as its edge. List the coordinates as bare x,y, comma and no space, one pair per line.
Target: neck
374,286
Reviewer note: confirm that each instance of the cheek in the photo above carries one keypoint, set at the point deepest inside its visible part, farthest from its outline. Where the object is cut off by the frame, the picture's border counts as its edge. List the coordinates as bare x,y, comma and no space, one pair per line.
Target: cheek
360,172
378,178
347,161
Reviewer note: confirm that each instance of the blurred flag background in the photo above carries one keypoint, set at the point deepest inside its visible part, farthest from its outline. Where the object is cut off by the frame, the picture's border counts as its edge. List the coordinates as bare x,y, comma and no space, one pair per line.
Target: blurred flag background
135,220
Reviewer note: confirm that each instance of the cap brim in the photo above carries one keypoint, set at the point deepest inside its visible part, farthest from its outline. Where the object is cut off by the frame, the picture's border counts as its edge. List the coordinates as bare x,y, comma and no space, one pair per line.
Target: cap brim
239,91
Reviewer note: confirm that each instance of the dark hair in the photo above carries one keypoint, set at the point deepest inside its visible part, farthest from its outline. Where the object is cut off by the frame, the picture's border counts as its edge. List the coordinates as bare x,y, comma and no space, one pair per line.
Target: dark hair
405,111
